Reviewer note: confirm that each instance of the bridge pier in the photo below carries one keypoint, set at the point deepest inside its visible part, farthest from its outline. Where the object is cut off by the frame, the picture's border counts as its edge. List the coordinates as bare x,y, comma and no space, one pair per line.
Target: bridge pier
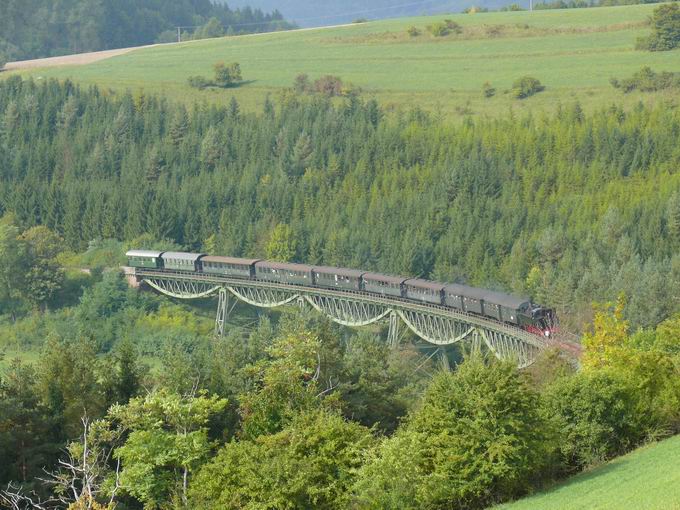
444,359
393,331
131,277
222,312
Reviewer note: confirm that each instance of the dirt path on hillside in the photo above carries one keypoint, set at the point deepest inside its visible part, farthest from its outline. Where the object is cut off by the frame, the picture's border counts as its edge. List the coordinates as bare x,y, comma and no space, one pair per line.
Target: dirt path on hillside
69,60
88,58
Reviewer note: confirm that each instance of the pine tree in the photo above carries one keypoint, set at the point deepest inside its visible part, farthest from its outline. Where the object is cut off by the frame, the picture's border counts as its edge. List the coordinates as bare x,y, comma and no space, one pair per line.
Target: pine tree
673,217
179,126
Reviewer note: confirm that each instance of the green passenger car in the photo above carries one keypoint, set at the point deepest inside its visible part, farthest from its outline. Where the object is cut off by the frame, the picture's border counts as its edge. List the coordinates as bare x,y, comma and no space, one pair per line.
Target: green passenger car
146,259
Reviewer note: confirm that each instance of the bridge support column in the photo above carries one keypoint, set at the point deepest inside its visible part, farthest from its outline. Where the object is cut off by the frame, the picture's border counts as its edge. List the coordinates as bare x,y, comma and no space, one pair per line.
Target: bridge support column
131,277
393,331
444,359
222,312
476,345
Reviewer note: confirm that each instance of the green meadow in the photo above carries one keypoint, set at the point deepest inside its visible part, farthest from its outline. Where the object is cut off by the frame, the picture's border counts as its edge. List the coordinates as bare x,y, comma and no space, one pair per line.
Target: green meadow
573,52
646,479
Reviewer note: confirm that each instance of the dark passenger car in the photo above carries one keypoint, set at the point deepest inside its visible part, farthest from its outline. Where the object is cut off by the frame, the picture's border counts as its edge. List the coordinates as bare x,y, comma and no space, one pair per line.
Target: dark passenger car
181,261
424,290
504,307
383,284
284,272
337,277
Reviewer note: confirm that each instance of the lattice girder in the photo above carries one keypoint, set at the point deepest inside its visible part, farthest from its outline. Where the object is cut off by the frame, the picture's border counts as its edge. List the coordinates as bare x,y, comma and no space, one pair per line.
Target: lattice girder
263,297
182,289
436,329
348,312
436,325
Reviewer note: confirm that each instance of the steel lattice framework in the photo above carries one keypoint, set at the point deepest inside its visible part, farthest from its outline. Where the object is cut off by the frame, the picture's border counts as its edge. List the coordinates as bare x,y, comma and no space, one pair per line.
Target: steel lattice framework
437,325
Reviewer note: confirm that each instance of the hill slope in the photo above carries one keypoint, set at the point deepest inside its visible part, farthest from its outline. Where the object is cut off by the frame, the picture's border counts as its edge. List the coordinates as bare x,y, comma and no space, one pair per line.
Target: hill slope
309,13
573,52
646,479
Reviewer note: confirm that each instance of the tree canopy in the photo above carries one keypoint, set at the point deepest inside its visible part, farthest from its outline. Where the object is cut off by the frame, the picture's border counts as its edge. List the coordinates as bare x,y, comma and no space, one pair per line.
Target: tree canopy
43,28
568,207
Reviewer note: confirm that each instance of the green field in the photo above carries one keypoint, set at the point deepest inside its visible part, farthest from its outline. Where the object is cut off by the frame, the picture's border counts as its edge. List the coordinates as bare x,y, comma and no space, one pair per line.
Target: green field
574,52
646,479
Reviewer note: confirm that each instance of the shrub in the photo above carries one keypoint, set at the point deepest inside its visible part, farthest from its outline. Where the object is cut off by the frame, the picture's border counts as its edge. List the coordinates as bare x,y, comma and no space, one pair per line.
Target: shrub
301,85
477,439
526,86
226,76
360,20
198,82
665,29
310,464
3,60
453,26
329,85
646,80
487,90
439,29
413,31
597,416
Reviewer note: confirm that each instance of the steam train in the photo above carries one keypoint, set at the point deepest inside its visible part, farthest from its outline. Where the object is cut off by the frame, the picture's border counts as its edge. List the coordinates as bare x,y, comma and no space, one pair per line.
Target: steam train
498,306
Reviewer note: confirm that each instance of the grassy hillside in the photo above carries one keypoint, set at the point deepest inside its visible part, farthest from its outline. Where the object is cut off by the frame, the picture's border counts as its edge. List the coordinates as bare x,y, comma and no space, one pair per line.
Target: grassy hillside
647,479
573,52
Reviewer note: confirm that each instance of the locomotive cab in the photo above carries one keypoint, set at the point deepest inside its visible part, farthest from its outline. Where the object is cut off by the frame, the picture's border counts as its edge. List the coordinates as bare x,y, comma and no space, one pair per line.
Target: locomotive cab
543,319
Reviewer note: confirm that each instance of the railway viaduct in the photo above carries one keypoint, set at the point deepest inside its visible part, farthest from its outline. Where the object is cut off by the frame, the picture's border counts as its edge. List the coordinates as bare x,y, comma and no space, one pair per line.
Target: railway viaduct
437,325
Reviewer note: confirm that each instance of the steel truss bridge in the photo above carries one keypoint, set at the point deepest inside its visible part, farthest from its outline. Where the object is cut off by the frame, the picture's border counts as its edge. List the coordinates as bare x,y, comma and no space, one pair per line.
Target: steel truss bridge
437,325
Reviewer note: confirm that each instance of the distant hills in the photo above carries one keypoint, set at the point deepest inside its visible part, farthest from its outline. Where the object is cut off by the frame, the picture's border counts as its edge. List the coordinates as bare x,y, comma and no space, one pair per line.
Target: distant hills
308,13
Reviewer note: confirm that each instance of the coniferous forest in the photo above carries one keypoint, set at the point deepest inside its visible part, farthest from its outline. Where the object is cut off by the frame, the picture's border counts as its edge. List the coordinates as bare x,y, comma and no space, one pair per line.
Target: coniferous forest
568,208
131,402
45,28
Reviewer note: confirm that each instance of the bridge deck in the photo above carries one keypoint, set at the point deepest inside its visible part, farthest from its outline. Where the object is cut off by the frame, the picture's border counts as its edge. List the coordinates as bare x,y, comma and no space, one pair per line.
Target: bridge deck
390,302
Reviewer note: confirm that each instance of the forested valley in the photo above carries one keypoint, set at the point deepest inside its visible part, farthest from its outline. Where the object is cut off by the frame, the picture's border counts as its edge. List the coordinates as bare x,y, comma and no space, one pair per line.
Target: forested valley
567,207
129,401
45,28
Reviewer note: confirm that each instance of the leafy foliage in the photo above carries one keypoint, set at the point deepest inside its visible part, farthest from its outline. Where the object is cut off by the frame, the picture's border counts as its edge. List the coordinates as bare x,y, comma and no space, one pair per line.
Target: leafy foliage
477,438
287,383
596,416
665,29
309,464
609,336
198,82
167,440
526,86
646,80
227,75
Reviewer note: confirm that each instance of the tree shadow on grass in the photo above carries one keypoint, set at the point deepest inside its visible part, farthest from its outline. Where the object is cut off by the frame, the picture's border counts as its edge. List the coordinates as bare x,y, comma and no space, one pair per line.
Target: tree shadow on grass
579,478
234,85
